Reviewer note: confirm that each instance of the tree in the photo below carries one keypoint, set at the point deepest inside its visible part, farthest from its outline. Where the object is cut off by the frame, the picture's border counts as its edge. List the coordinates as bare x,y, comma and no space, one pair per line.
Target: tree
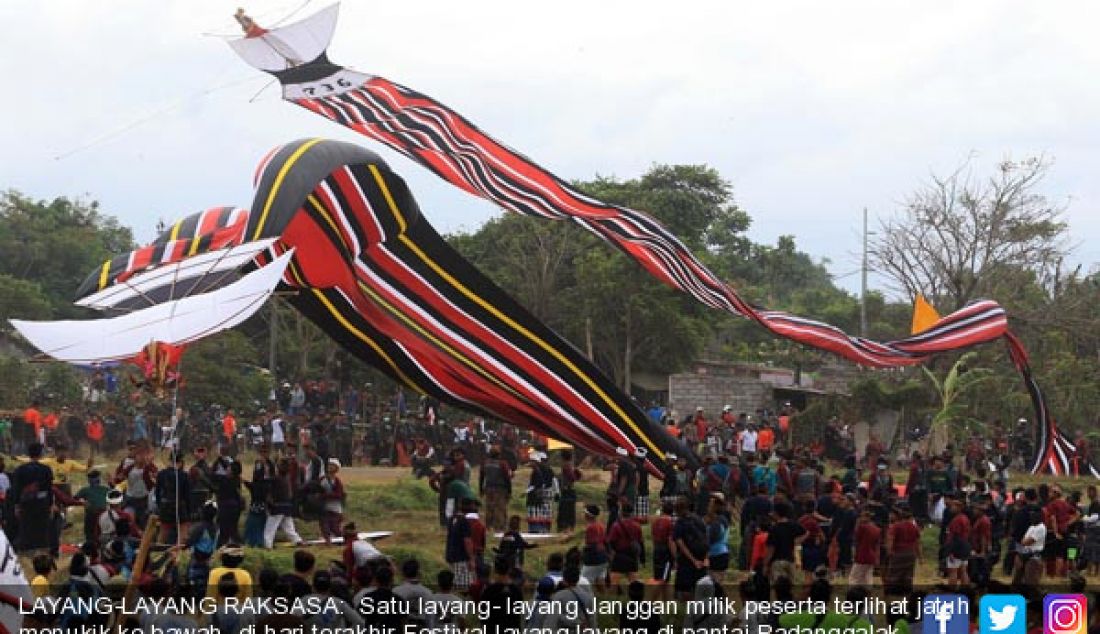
56,244
959,381
957,235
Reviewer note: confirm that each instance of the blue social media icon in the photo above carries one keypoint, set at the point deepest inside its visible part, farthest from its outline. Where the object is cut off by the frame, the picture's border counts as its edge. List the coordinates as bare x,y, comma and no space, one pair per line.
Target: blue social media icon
945,614
1003,614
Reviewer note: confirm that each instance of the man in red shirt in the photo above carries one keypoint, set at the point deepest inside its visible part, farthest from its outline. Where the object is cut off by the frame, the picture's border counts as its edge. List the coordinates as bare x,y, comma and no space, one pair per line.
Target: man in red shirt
627,546
981,542
868,538
958,545
661,532
229,432
903,550
1059,514
594,553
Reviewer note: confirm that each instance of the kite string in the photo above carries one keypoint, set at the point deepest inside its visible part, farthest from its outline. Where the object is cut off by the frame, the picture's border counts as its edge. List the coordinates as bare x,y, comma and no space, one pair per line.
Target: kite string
153,115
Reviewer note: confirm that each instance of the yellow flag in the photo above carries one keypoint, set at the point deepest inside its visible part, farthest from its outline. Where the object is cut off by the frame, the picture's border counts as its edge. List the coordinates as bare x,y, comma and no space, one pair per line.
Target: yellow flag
554,445
923,315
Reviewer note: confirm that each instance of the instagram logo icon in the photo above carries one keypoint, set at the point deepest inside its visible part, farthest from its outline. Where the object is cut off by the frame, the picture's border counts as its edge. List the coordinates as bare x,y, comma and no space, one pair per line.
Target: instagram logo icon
1065,614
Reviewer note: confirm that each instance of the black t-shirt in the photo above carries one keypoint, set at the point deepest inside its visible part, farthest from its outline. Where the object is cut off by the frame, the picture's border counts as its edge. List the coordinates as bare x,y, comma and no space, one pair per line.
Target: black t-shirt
500,597
782,537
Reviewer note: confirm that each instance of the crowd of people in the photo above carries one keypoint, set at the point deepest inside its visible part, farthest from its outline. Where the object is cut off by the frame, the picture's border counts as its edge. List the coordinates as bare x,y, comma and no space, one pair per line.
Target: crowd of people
744,504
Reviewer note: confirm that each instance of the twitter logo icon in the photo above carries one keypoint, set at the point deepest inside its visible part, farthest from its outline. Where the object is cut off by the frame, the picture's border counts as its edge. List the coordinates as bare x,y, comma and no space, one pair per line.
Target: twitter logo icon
1003,614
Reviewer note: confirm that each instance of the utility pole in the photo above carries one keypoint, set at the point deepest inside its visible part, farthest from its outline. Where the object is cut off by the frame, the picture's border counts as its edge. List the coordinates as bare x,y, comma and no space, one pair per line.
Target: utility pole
863,282
271,336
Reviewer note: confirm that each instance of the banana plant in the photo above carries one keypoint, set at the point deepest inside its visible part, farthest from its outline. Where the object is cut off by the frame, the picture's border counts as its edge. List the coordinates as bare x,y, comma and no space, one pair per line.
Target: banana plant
952,416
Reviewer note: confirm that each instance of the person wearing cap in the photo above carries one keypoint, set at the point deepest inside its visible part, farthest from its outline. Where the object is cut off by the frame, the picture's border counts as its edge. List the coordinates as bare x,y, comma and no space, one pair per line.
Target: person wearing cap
540,494
677,482
332,496
624,485
94,495
173,495
594,557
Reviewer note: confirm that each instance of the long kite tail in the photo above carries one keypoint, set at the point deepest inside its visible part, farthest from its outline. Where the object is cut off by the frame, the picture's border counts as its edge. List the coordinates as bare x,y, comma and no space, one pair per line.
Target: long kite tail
1054,453
456,150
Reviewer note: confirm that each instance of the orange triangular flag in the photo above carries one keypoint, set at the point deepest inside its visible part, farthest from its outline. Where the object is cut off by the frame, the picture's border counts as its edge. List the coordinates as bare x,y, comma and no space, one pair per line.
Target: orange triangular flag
924,316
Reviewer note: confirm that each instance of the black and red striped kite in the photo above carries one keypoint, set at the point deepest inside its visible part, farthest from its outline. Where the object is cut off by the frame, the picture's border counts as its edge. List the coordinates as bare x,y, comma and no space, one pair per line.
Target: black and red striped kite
456,150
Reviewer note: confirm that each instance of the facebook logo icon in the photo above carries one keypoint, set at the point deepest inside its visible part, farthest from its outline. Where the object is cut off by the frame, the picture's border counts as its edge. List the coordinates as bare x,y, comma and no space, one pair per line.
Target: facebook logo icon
945,614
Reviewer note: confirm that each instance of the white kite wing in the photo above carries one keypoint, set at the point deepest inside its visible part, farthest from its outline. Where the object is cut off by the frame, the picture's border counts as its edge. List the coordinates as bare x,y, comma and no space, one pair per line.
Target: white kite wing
291,45
190,276
175,322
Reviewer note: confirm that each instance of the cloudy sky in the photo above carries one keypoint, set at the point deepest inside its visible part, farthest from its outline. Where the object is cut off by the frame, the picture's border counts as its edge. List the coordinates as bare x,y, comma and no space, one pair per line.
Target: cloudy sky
811,110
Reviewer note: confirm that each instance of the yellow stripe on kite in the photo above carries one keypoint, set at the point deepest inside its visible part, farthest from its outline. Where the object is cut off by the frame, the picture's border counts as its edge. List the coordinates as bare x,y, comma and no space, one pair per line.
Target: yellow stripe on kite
103,274
530,335
175,231
365,339
320,209
389,199
378,299
279,183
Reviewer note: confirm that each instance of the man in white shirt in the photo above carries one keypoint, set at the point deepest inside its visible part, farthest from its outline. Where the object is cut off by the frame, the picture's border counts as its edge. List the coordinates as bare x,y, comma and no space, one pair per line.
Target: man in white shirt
1029,563
748,441
278,434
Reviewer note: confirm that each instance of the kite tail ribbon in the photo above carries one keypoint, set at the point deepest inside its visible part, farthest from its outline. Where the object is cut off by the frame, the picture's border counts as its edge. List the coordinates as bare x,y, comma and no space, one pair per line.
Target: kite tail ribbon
457,151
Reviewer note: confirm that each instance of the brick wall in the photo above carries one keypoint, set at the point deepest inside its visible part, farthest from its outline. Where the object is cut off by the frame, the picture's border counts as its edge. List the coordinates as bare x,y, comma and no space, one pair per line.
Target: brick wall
712,392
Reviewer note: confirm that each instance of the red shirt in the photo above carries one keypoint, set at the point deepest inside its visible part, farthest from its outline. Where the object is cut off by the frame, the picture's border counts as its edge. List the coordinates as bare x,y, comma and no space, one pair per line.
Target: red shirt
904,536
959,527
812,527
759,548
661,531
868,540
95,430
594,535
1061,511
477,535
981,534
624,533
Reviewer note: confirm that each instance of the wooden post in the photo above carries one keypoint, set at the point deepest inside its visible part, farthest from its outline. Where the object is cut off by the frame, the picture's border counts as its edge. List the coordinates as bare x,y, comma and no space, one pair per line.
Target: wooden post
152,527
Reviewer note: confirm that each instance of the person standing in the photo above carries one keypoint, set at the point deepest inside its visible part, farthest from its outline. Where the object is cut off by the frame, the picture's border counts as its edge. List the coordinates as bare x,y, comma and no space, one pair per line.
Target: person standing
200,482
32,496
868,539
567,500
495,484
903,550
784,536
173,495
280,507
332,496
459,552
594,553
641,503
540,493
624,485
689,534
627,547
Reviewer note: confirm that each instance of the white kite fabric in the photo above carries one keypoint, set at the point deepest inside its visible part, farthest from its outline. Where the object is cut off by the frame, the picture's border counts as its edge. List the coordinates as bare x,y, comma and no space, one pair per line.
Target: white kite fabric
181,279
175,322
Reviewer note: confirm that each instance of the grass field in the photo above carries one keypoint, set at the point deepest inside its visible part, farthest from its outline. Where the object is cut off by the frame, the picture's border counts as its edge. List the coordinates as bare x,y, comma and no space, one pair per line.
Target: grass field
390,499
